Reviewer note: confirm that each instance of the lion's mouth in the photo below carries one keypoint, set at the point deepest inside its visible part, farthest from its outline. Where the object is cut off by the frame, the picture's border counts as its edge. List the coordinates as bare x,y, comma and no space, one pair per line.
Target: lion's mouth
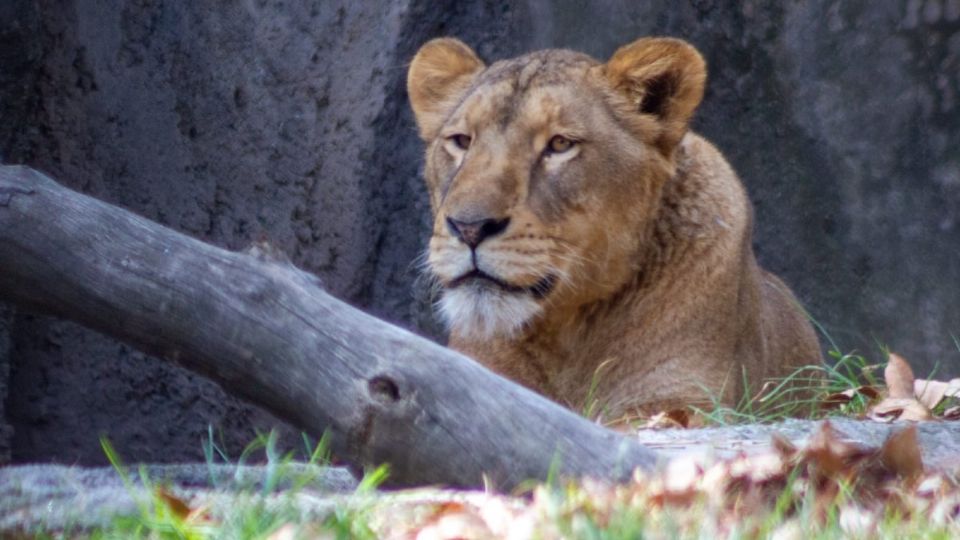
538,290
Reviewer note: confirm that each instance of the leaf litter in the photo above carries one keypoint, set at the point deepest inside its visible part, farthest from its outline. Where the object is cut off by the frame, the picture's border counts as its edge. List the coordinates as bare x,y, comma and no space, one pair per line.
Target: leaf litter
787,490
828,482
903,398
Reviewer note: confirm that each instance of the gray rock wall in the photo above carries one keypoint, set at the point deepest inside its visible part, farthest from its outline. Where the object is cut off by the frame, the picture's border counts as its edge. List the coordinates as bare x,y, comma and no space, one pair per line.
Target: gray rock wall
232,121
6,430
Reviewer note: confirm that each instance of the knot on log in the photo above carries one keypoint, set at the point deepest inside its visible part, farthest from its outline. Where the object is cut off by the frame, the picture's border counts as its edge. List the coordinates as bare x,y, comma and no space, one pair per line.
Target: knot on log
7,193
384,389
14,181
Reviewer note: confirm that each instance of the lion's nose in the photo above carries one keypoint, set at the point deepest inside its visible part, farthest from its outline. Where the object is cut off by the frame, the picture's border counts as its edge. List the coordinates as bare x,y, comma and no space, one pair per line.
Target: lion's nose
472,233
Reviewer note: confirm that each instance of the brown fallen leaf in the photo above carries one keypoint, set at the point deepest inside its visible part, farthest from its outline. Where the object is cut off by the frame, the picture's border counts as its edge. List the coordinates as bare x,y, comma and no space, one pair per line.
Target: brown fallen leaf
891,409
176,505
899,377
900,403
454,519
857,522
831,454
839,399
931,393
677,418
680,481
790,529
900,454
953,413
783,446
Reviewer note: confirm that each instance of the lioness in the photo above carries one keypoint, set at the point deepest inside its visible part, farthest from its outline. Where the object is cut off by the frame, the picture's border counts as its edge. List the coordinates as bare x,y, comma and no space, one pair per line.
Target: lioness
588,245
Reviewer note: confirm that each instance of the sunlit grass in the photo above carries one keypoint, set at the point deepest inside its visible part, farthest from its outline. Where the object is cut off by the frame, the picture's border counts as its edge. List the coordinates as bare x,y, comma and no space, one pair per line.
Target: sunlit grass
801,394
579,510
256,511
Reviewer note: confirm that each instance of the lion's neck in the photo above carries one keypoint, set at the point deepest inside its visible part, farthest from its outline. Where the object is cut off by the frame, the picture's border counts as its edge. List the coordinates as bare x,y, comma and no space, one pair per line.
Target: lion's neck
686,241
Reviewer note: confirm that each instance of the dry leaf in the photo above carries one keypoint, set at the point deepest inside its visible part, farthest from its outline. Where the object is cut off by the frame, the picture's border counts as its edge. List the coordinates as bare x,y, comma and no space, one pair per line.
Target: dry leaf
932,486
953,413
899,377
499,517
176,505
452,519
830,453
891,409
680,480
783,446
759,468
455,526
930,393
900,454
839,399
835,401
857,522
762,394
677,418
790,529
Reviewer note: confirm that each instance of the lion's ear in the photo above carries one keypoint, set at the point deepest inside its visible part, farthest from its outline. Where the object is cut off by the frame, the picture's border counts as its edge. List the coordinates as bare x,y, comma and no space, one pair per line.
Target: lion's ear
663,77
439,75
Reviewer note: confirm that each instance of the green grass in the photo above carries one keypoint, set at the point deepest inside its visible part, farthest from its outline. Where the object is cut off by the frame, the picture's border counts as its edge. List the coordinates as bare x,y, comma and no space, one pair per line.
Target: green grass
802,393
592,407
581,509
254,514
799,394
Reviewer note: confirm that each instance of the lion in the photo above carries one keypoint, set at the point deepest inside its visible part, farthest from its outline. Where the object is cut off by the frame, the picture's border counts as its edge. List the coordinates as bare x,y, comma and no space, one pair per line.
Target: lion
587,244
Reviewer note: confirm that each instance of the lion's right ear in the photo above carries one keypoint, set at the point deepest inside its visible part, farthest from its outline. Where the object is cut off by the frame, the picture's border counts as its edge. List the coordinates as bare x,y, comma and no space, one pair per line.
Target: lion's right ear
439,75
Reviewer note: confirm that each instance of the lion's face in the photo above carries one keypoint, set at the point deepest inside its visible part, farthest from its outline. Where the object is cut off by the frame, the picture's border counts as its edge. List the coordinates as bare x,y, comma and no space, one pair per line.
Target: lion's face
543,178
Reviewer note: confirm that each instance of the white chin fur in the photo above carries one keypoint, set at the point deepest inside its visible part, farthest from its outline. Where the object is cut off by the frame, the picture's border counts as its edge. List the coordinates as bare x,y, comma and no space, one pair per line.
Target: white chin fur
483,312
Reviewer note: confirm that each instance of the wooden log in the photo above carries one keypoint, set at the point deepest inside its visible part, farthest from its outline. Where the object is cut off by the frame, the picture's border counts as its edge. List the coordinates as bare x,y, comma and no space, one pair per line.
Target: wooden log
267,332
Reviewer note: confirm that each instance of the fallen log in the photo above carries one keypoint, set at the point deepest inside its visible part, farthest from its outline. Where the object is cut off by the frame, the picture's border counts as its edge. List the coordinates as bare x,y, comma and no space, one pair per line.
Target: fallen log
267,332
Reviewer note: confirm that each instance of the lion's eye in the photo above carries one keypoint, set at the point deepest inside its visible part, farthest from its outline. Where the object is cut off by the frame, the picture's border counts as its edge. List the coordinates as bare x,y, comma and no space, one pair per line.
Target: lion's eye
559,144
462,141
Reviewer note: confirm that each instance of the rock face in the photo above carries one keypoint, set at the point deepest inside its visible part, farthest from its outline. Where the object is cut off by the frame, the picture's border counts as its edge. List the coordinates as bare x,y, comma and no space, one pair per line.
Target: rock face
235,121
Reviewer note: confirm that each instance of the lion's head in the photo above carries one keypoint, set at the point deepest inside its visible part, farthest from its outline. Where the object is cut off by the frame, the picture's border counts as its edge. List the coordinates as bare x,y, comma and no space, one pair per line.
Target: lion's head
545,173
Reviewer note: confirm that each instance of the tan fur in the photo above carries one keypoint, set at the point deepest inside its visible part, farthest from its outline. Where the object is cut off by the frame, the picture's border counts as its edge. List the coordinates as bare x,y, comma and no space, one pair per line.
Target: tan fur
639,234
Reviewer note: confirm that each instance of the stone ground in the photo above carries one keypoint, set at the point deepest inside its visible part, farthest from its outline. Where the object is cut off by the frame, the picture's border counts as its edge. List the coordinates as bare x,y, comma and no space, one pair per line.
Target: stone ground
57,497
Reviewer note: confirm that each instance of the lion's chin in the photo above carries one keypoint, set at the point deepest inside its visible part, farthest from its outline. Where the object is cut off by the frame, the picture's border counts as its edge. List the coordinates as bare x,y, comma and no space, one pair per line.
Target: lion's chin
477,311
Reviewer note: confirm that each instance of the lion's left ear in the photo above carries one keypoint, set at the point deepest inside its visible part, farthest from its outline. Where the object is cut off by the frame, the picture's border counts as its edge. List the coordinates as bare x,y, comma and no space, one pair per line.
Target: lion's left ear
663,77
